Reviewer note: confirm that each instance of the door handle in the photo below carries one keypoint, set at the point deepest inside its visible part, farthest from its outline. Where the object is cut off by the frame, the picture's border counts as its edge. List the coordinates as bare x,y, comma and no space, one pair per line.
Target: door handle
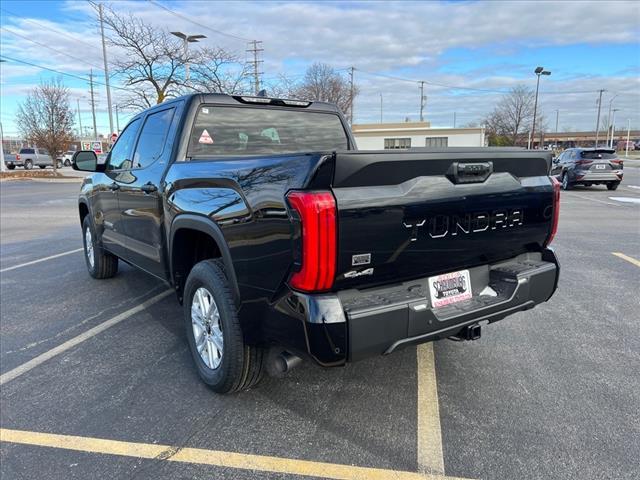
114,186
149,188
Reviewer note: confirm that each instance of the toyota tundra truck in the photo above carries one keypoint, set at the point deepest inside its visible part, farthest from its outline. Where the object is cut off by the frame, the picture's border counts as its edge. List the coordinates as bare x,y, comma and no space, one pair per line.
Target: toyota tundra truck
284,242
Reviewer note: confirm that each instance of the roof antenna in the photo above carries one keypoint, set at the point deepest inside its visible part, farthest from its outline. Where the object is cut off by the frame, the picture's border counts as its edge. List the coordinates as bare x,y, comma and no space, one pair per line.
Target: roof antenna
262,93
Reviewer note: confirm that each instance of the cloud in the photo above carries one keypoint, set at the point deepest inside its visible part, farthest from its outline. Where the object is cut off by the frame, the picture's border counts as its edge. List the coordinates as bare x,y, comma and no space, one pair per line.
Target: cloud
405,39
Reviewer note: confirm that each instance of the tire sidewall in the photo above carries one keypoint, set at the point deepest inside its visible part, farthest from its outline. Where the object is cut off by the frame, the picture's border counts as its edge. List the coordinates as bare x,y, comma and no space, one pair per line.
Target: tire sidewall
86,223
209,275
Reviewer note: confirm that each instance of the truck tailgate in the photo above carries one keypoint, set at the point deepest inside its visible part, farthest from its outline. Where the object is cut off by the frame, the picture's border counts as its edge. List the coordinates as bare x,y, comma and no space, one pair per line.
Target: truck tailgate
422,212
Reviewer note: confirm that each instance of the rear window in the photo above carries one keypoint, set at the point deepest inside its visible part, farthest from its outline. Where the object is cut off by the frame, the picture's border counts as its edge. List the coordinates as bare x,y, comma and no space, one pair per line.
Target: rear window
596,154
224,131
27,150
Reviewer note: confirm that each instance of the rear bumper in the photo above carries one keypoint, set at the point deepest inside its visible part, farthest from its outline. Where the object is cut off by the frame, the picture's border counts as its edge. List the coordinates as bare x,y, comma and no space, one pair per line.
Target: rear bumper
355,324
595,176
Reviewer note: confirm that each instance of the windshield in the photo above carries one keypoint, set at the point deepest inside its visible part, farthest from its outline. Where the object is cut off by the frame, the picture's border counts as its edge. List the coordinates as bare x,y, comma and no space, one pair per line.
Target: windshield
223,131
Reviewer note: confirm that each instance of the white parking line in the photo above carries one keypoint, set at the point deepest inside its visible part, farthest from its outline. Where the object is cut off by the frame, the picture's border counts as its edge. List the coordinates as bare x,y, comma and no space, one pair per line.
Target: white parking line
25,367
430,455
41,260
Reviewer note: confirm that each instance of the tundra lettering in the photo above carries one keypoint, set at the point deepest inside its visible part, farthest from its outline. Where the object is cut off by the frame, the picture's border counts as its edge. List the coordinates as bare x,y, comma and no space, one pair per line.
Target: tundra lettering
281,239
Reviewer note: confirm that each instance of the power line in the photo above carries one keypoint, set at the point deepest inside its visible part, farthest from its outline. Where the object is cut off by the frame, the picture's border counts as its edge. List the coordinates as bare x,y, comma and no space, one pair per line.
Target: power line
50,48
184,17
84,79
55,30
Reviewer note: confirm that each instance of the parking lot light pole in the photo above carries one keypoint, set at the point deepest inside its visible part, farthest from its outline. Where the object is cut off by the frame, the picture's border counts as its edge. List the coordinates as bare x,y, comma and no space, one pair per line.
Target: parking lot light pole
613,125
538,71
187,39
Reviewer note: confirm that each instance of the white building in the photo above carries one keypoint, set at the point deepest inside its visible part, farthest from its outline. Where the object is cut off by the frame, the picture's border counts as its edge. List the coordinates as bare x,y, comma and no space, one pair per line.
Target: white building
381,136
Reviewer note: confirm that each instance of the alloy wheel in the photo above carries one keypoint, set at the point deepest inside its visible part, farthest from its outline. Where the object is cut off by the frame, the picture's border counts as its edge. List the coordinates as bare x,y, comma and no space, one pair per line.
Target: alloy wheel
207,328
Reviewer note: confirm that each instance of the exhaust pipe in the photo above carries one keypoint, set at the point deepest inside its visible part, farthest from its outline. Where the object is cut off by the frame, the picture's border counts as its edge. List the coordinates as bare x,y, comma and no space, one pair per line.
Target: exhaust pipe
470,332
279,364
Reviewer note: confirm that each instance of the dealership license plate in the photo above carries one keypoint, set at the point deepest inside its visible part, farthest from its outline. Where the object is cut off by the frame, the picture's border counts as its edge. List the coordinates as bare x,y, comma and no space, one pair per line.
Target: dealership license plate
449,288
600,167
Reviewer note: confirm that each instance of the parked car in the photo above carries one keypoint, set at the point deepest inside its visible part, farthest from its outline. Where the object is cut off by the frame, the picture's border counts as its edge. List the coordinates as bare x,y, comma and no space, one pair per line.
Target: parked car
29,157
67,157
278,236
588,166
623,145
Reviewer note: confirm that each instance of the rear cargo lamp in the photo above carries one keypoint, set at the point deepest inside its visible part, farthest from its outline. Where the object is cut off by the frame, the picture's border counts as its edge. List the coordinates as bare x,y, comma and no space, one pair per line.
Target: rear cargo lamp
556,210
317,211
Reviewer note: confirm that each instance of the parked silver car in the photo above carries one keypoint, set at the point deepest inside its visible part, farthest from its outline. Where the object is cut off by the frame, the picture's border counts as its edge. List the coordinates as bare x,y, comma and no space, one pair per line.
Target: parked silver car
30,157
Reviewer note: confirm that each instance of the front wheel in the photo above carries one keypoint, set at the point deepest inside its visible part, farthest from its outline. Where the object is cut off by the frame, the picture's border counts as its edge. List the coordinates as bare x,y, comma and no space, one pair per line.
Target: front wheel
566,184
67,163
59,164
222,359
100,264
613,186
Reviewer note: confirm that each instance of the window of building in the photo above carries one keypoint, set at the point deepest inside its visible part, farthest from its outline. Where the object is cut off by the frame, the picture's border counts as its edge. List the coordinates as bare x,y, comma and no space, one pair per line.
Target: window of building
393,143
436,142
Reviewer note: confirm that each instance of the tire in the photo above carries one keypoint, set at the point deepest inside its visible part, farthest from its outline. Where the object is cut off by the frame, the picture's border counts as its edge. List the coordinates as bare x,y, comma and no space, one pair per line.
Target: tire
28,164
42,166
613,185
238,366
59,164
67,163
100,264
566,184
11,167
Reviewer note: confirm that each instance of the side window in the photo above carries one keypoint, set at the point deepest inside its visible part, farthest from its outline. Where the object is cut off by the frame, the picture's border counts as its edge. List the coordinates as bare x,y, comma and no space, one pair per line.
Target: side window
153,138
120,157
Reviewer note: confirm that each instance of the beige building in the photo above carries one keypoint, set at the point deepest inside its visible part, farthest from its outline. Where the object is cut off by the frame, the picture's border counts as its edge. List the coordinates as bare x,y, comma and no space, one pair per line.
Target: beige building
381,136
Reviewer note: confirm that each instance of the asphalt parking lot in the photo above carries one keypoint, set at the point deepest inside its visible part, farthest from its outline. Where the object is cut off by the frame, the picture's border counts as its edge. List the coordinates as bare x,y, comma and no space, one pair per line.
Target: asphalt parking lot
96,379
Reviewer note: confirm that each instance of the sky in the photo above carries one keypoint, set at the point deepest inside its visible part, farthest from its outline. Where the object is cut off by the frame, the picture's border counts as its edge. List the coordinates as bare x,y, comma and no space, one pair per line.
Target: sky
468,53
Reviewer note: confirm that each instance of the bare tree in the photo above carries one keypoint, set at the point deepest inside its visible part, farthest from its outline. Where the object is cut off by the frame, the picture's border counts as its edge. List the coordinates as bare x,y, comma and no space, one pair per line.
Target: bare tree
510,121
45,118
152,62
323,83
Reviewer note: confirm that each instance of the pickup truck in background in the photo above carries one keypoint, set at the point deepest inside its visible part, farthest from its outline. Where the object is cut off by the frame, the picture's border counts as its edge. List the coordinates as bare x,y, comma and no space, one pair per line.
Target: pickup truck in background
29,157
283,242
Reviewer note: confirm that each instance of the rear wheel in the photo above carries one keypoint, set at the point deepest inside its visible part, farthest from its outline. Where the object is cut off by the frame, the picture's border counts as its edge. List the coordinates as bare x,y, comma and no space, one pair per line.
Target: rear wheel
28,164
67,163
100,264
59,164
213,330
11,167
566,184
613,185
42,166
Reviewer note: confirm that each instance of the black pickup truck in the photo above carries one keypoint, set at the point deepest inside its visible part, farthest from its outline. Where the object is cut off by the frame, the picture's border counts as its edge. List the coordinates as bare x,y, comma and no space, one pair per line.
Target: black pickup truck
283,242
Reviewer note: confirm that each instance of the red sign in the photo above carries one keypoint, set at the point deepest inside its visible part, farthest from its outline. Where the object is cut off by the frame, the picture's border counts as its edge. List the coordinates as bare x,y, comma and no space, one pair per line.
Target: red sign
114,137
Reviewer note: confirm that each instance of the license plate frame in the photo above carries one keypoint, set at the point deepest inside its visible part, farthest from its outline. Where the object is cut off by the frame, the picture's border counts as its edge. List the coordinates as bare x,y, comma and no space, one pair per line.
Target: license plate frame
600,166
450,288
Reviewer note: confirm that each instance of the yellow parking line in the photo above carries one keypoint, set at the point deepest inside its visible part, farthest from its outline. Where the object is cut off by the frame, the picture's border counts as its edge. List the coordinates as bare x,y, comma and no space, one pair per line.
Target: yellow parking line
627,258
430,456
215,458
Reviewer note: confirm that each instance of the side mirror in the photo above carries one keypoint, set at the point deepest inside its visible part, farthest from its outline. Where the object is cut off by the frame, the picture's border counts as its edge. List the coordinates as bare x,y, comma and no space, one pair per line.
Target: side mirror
85,161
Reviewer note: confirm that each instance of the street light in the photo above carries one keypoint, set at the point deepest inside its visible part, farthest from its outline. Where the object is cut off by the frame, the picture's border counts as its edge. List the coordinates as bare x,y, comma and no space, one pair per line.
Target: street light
609,116
538,71
613,126
187,39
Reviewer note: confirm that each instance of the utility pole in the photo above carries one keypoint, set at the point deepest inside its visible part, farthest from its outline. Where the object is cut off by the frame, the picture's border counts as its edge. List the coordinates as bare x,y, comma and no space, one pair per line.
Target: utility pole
117,121
628,133
79,118
351,96
381,108
454,119
557,118
256,63
3,166
422,99
93,106
598,119
106,69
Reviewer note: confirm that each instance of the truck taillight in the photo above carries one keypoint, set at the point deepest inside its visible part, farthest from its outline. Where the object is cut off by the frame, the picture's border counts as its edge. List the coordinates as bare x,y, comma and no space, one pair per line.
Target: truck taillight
18,156
556,210
317,211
